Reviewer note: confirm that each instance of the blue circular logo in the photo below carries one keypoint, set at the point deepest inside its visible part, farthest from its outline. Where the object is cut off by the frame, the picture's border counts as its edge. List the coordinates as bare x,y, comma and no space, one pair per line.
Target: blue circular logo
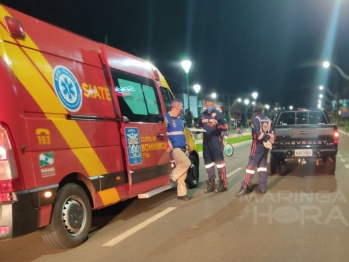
67,88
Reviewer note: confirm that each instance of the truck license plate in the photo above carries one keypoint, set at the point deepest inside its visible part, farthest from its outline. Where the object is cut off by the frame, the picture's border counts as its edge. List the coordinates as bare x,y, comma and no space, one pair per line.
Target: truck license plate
303,152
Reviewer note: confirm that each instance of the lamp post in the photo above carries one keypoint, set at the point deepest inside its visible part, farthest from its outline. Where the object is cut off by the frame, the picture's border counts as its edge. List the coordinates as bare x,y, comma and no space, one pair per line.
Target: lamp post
255,95
327,90
267,107
291,107
214,95
246,102
197,90
186,64
325,98
327,64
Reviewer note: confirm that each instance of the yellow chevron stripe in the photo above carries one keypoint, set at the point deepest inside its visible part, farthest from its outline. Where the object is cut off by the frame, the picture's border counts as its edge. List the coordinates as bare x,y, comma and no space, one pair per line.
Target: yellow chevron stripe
109,196
48,101
46,98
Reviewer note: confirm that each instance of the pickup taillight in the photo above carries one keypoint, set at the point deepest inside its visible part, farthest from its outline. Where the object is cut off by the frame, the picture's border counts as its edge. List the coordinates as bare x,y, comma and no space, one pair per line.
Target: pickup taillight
335,136
8,170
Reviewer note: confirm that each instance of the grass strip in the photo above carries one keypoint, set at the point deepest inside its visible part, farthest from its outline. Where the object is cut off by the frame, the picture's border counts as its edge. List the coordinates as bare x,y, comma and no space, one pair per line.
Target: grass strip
232,140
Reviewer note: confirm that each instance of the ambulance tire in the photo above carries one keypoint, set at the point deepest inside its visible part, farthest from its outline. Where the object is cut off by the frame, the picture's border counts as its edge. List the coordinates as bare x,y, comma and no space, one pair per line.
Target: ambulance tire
275,167
71,202
193,173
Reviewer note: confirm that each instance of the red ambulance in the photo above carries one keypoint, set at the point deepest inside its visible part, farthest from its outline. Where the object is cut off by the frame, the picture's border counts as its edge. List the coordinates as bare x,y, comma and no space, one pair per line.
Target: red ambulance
81,128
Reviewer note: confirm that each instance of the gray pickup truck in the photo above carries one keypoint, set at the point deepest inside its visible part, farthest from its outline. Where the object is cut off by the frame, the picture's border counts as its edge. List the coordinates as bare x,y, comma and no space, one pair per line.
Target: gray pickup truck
304,135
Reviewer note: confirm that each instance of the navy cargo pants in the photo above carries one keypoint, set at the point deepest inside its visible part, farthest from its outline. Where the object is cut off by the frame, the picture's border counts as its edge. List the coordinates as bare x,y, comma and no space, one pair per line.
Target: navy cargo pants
257,159
213,155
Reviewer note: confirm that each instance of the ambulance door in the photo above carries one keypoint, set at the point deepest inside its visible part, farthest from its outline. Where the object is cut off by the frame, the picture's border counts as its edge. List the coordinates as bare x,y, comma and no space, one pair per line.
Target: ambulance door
144,133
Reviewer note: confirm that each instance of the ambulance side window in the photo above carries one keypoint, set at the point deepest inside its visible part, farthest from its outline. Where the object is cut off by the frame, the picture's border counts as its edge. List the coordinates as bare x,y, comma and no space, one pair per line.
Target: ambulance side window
137,97
167,97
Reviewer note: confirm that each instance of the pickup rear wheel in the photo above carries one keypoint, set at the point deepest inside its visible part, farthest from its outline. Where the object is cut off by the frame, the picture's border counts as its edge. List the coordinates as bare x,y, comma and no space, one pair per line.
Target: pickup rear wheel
274,165
71,218
330,165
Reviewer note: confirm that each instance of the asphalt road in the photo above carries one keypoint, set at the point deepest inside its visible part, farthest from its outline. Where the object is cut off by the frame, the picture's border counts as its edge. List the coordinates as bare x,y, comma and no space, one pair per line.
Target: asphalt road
303,217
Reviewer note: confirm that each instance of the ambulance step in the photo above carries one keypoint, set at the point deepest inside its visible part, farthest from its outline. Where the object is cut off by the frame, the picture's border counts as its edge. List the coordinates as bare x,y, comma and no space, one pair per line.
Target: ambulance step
154,192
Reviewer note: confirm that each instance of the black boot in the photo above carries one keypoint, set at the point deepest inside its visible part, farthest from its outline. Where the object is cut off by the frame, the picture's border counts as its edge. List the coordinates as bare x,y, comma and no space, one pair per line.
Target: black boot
221,187
210,186
242,191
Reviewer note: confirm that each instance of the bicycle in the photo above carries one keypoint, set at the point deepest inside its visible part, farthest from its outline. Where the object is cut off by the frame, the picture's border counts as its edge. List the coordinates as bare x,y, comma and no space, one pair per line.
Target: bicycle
228,149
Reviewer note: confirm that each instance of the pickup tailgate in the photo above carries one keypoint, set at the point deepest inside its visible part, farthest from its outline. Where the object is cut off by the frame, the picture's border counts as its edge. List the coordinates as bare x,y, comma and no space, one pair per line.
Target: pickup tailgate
319,136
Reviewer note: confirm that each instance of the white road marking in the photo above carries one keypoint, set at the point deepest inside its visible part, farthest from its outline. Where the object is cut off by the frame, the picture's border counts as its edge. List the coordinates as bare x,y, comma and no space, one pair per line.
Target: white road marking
346,166
133,230
339,155
342,159
233,172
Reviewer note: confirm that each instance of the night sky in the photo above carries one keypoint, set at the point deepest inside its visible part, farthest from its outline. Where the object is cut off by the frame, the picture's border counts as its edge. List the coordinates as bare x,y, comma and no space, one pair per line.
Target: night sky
273,47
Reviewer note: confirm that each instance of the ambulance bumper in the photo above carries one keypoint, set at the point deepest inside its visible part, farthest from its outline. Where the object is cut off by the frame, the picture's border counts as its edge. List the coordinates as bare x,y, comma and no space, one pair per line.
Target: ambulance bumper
21,216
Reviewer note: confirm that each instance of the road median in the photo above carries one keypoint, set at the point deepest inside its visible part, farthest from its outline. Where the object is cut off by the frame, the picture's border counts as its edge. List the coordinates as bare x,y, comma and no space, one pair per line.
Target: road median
234,139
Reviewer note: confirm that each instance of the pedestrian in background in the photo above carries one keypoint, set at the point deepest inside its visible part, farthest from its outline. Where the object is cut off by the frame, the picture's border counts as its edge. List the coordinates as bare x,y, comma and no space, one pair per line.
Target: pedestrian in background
189,119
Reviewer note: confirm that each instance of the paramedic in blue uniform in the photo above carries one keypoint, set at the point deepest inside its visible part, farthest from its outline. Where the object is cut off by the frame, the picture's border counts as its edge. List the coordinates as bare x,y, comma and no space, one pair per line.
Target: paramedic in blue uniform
212,121
177,147
261,134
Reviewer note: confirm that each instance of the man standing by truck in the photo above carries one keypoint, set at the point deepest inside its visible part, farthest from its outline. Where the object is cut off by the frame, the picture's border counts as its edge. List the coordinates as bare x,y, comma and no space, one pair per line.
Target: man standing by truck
178,147
261,133
212,121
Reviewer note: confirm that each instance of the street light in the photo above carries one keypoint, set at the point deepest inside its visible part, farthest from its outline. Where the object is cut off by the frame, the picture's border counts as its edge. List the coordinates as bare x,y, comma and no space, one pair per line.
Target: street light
186,64
197,90
327,90
327,64
246,101
239,99
291,107
267,108
213,95
254,95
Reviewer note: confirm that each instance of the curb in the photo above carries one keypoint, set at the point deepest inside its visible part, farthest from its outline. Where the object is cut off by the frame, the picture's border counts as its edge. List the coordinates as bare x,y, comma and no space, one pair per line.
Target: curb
343,132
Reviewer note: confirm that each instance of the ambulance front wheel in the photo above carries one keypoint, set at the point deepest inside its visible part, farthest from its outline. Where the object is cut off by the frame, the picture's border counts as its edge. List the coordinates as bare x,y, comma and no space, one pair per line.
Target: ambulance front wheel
71,218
